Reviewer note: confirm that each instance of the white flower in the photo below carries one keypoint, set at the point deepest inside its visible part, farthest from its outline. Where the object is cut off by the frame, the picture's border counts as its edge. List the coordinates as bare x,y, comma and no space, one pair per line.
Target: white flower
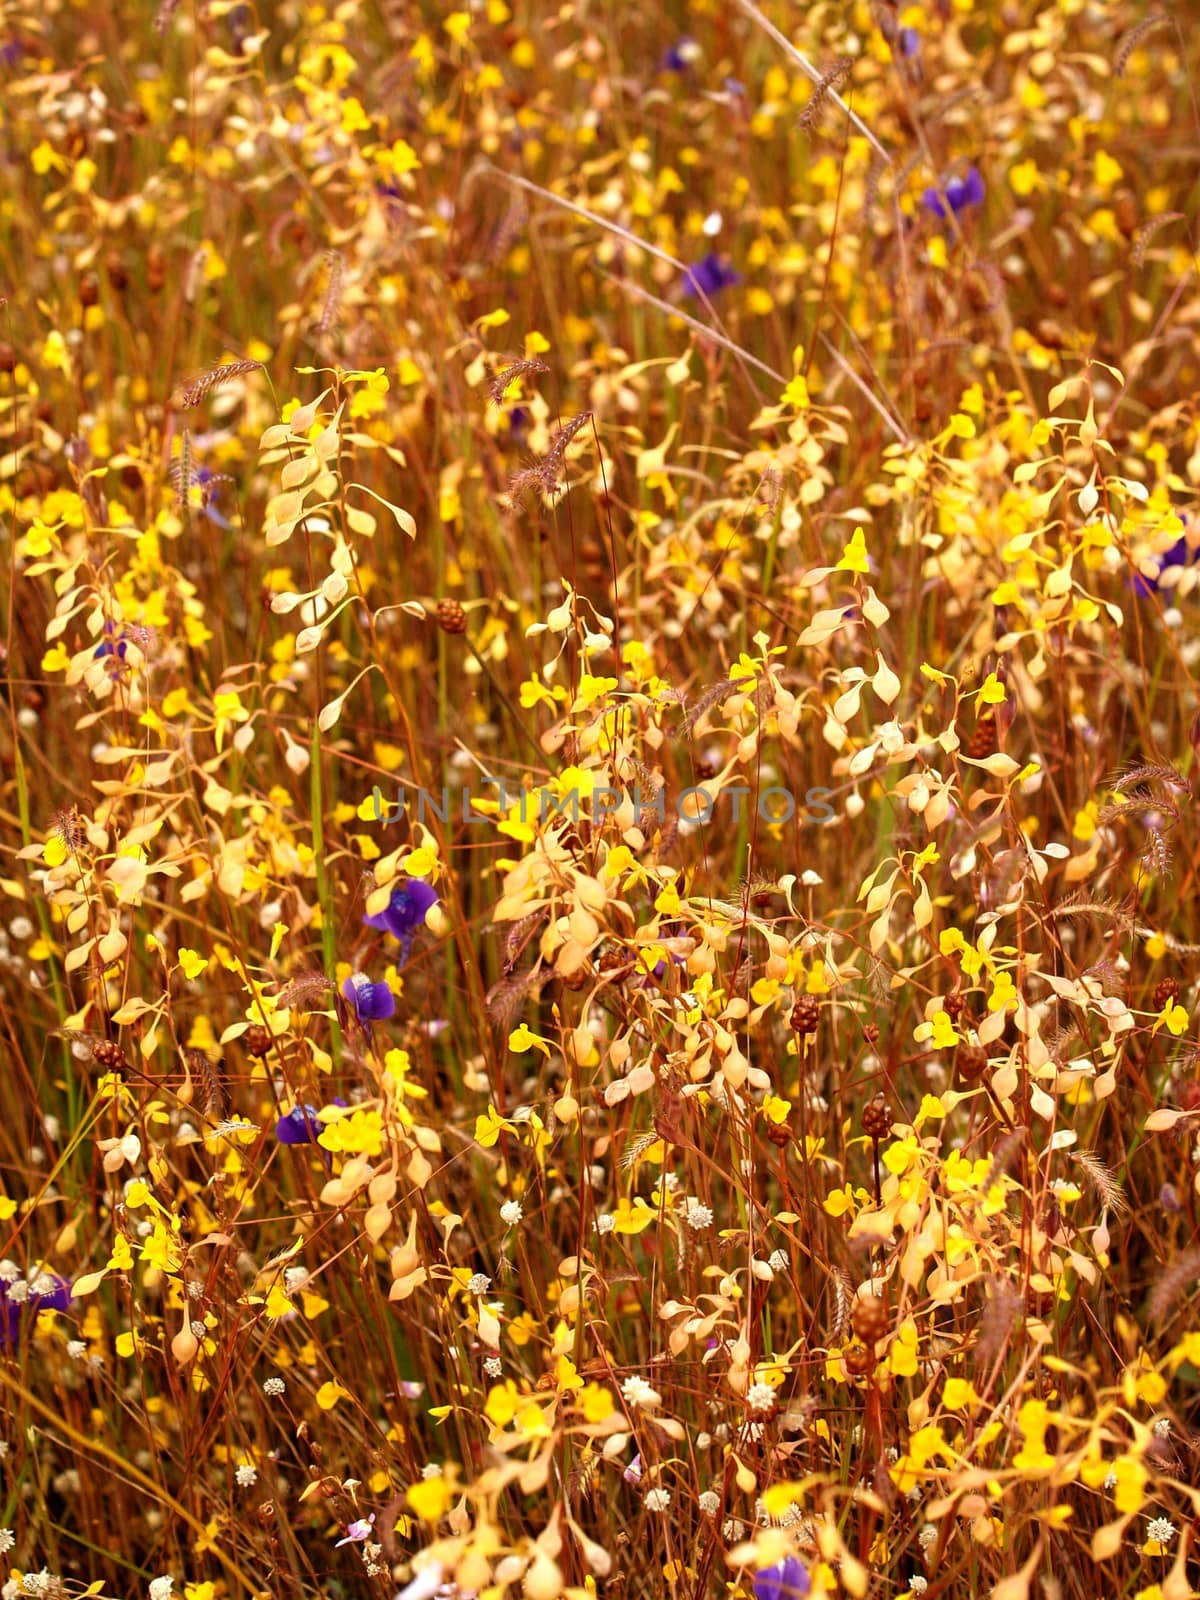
709,1503
295,1278
478,1283
493,1366
160,1588
638,1392
1162,1428
918,1585
605,1222
246,1474
76,1349
760,1397
1110,1483
657,1499
777,1261
927,1536
424,1584
274,1387
1160,1529
7,1541
698,1216
431,1469
510,1213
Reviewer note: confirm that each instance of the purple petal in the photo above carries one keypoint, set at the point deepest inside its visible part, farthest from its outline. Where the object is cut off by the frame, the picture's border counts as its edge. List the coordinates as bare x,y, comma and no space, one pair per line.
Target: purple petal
299,1126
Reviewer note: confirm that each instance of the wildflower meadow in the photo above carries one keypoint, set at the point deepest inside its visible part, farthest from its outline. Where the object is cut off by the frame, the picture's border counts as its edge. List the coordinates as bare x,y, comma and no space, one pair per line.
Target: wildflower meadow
599,776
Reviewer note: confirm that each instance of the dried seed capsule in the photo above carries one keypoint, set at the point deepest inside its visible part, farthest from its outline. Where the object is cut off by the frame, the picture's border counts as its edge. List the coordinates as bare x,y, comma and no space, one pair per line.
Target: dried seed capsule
256,1041
779,1134
1165,991
806,1014
107,1053
952,1005
971,1061
870,1319
451,617
877,1118
985,740
118,274
859,1361
156,268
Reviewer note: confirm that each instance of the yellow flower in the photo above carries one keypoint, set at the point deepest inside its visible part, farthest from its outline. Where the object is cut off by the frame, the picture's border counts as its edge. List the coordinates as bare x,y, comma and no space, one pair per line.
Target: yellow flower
854,556
192,963
45,158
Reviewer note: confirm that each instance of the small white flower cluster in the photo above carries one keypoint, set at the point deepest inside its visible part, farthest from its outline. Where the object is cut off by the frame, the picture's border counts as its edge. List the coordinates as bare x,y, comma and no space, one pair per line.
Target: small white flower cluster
274,1387
760,1397
697,1216
478,1283
43,1585
657,1499
160,1588
246,1475
1161,1530
511,1213
7,1541
637,1392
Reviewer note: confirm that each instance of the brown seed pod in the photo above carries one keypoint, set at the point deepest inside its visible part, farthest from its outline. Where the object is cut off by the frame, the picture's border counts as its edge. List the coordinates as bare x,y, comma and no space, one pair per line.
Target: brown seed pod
118,274
871,1032
779,1133
971,1062
256,1041
870,1319
107,1053
859,1361
952,1005
1164,991
451,617
1125,212
8,358
877,1118
985,740
1050,333
89,290
156,268
806,1014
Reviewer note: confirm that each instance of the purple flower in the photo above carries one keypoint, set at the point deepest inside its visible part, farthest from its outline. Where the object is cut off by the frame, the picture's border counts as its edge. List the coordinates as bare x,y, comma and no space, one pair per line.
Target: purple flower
709,276
1181,554
960,193
405,911
299,1126
681,55
372,1002
20,1298
356,1532
208,482
788,1580
909,41
113,643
